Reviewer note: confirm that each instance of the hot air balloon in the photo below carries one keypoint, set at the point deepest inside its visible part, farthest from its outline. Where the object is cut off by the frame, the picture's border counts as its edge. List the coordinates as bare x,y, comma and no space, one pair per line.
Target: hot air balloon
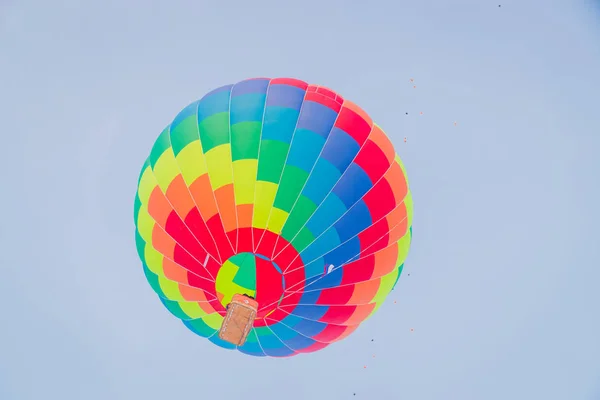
278,196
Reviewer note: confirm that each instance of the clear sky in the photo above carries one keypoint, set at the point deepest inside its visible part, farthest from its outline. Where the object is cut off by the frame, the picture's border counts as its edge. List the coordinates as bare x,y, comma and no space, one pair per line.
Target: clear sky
504,269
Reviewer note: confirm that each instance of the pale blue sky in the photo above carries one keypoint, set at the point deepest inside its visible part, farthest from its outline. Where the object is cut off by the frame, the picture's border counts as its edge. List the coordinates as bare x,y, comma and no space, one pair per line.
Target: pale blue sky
503,294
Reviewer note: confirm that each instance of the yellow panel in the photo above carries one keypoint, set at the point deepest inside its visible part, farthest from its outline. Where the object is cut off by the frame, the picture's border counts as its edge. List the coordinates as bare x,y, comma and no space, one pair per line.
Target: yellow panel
192,309
244,180
403,247
146,185
213,320
191,162
277,219
408,201
218,161
153,260
145,224
264,198
166,169
170,289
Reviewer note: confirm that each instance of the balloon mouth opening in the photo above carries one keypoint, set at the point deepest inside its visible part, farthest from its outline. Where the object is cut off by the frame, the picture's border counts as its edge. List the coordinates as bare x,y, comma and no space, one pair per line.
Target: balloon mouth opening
253,277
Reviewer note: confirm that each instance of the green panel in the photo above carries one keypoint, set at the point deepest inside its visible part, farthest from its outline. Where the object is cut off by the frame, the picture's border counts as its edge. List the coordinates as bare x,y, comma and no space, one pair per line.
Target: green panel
140,245
174,309
302,211
185,133
136,208
162,143
400,268
246,274
146,165
292,182
199,327
153,281
272,156
303,240
214,131
245,139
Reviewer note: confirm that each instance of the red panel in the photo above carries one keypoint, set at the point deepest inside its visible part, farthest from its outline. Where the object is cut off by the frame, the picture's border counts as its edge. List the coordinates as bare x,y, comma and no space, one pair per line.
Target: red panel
354,125
378,232
269,287
339,295
266,242
316,346
184,259
359,270
380,200
204,284
324,100
337,314
372,160
215,226
244,240
184,238
290,81
199,229
330,333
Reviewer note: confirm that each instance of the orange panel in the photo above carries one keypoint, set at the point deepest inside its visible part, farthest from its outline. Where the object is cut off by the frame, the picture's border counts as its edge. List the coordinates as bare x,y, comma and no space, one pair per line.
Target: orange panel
397,181
162,242
174,272
352,106
192,294
385,260
397,215
179,196
364,292
226,202
348,331
203,196
383,142
360,314
158,207
399,231
244,215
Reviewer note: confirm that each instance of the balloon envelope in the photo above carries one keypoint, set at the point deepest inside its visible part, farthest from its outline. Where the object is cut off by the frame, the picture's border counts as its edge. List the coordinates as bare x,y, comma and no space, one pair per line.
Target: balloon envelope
280,190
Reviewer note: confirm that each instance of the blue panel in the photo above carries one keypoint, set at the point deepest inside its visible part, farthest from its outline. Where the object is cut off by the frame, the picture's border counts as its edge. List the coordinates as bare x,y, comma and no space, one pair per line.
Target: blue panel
252,348
299,342
321,245
285,96
185,113
317,118
322,179
329,211
314,268
340,149
283,332
213,104
250,86
269,342
309,328
246,108
308,298
356,219
279,124
281,351
226,88
333,279
310,312
353,184
305,149
343,253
